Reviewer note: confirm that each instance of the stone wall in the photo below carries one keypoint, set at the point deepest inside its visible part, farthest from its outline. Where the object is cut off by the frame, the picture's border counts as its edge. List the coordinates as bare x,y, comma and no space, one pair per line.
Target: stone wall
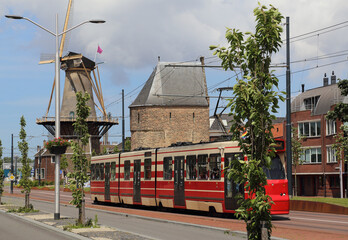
157,126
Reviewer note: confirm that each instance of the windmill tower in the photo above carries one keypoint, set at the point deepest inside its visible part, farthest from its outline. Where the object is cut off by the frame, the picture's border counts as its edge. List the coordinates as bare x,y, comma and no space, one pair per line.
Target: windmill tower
80,76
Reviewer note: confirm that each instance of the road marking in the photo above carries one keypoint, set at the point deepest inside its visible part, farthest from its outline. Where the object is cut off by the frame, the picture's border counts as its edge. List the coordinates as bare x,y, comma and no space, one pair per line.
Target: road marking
318,220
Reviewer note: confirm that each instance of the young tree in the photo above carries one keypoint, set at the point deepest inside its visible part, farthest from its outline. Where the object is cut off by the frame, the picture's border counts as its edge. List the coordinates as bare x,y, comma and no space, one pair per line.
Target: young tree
340,112
79,176
253,105
1,173
63,166
297,152
116,150
127,145
25,181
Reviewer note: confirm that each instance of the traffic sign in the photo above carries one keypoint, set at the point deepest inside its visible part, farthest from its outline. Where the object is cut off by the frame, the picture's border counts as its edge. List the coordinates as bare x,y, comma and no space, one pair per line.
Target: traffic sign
12,177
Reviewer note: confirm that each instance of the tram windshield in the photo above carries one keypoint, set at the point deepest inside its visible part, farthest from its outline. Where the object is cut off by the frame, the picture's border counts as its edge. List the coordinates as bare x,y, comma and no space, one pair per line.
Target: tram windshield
276,171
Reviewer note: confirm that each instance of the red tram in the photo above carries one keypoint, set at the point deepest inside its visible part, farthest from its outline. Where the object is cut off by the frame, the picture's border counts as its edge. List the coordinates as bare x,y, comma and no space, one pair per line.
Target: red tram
188,177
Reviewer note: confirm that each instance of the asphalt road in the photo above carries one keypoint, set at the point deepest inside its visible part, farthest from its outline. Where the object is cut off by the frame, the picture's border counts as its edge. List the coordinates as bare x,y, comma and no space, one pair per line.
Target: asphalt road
12,227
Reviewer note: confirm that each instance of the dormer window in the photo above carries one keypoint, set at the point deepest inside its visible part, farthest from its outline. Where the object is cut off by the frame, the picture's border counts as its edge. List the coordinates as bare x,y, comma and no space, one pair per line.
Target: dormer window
311,103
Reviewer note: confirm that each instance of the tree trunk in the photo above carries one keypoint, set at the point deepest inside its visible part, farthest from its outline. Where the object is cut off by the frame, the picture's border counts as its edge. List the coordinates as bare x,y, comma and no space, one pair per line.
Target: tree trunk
27,200
295,193
82,212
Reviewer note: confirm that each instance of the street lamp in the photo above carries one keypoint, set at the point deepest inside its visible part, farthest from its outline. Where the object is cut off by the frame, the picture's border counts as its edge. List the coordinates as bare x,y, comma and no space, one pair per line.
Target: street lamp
57,97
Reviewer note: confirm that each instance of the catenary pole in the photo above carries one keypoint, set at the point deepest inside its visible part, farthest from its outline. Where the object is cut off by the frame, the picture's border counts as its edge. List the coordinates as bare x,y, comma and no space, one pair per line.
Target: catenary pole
12,162
288,110
123,121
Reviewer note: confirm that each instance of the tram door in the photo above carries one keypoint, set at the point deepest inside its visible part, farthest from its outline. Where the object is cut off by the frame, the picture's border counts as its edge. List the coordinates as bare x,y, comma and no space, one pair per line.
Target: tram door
231,188
179,184
107,181
136,181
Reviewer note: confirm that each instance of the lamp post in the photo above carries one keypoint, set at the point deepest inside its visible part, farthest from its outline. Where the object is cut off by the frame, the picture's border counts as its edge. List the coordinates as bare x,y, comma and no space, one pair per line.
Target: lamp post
57,98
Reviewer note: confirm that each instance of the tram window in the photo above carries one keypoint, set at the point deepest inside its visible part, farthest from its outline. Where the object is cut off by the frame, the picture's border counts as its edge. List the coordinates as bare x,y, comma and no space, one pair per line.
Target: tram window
215,166
127,170
191,167
97,173
276,171
167,168
113,171
101,171
92,171
147,169
202,167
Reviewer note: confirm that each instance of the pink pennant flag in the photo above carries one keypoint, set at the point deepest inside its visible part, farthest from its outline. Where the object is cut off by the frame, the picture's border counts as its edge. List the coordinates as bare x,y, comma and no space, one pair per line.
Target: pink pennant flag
99,50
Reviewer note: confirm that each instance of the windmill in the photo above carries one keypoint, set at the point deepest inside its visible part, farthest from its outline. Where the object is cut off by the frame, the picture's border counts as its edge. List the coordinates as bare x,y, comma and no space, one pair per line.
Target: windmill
80,75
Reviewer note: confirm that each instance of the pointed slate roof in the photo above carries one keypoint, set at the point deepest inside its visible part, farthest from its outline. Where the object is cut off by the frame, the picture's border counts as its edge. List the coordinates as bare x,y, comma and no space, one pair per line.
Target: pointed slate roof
174,86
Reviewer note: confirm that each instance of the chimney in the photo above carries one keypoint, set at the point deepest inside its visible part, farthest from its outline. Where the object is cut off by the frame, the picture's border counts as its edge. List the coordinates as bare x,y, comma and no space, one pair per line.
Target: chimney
326,80
333,78
202,60
302,85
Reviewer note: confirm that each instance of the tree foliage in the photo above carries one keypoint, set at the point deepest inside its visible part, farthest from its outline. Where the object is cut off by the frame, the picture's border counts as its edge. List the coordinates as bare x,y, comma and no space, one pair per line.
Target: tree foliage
253,104
79,176
127,145
25,181
340,111
1,173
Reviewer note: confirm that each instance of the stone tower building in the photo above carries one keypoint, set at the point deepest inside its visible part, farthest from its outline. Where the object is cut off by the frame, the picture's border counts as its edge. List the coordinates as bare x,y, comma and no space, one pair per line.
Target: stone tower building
172,107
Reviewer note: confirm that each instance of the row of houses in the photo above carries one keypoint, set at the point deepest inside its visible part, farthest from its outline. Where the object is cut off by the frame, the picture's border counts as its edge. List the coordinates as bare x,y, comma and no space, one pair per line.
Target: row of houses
173,106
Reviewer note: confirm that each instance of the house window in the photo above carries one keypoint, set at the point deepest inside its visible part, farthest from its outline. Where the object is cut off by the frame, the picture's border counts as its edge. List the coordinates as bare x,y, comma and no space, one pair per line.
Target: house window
311,103
331,127
191,167
202,167
113,171
331,154
127,170
312,155
37,173
42,173
168,168
334,181
147,169
53,159
309,129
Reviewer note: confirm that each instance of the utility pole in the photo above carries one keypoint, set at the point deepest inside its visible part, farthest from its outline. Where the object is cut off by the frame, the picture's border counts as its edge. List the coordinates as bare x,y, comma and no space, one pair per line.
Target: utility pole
123,120
12,162
288,110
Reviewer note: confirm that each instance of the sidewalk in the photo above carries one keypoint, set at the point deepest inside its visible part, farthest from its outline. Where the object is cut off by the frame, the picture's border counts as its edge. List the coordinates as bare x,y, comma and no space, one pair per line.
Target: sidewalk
46,220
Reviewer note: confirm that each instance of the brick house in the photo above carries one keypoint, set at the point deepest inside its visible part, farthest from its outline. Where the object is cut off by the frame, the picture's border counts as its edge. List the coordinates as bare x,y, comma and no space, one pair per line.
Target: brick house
319,173
172,107
44,164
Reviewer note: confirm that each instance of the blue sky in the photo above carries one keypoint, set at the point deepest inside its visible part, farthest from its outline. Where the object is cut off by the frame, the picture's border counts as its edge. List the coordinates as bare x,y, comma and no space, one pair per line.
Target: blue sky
134,35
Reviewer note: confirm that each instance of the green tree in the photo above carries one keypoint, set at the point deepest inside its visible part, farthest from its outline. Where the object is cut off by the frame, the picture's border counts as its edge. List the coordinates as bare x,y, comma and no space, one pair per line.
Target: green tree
1,173
116,150
340,112
64,166
127,145
79,176
25,181
252,106
297,152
